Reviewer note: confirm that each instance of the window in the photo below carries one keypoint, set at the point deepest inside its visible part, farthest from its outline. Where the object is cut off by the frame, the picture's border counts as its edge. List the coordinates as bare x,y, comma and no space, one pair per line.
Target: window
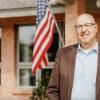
26,79
56,44
25,38
45,76
53,49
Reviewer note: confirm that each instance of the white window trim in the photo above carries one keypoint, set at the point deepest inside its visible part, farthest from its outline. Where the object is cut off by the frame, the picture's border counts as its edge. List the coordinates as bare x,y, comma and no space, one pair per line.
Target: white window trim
28,65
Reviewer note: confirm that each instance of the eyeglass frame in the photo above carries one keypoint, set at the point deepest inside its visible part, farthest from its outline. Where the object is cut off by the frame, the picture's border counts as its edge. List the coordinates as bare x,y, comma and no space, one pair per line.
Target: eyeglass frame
85,25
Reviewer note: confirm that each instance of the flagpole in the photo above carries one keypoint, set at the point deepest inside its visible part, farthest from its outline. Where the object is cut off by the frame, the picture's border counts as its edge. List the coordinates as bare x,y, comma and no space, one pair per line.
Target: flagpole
59,32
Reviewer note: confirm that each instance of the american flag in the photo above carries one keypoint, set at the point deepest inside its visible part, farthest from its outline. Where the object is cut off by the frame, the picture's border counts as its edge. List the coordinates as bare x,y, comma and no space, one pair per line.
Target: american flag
45,25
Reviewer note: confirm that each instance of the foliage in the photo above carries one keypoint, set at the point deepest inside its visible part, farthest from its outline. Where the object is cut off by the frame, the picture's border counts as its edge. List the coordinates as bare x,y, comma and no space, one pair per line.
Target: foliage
40,92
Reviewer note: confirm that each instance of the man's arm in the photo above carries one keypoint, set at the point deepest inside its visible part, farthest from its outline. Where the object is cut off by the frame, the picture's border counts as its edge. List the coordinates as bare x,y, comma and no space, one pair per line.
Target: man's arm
53,87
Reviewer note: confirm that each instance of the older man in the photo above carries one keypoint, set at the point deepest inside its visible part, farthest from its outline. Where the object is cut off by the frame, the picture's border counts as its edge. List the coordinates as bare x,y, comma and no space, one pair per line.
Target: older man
76,72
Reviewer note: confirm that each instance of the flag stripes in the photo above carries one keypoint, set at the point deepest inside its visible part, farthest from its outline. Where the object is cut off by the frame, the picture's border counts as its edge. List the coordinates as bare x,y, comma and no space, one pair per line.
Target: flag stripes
43,39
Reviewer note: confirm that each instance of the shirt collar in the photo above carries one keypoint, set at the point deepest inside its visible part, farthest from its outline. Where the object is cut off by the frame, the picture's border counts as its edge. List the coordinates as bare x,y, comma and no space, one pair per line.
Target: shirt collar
95,48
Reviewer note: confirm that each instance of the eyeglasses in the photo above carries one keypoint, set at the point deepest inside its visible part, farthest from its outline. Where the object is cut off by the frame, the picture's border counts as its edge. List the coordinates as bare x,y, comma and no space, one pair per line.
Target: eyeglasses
87,25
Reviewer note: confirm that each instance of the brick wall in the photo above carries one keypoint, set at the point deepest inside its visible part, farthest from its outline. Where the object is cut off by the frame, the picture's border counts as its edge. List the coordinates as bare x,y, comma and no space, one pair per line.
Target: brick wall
8,88
71,13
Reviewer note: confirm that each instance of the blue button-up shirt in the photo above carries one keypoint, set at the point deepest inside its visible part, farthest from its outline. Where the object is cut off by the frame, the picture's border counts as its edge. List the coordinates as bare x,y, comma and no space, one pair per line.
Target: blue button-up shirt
84,86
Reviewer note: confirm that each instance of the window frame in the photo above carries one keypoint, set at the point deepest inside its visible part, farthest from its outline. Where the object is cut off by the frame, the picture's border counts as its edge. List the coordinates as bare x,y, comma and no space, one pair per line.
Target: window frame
23,65
28,65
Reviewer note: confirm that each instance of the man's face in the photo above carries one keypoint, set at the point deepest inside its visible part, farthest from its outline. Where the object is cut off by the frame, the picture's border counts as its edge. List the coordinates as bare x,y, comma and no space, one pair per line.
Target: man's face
86,29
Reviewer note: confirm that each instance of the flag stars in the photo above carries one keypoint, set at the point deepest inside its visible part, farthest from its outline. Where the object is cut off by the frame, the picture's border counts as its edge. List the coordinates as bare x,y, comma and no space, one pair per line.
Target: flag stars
43,3
39,7
39,13
39,17
37,21
43,13
42,6
39,3
41,10
38,51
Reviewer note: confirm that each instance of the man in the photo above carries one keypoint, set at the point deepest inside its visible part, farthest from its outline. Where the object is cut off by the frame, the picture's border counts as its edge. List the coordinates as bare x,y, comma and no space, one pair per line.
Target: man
76,72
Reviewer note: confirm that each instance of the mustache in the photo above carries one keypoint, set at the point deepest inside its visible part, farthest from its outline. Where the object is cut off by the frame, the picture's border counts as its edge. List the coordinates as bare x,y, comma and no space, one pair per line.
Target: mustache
84,33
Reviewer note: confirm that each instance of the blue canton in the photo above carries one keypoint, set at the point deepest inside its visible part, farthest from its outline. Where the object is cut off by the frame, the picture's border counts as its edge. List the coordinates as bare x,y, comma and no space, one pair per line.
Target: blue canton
41,10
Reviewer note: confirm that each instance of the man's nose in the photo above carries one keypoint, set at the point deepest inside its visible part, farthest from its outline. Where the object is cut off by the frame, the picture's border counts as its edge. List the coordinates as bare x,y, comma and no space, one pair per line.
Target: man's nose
83,28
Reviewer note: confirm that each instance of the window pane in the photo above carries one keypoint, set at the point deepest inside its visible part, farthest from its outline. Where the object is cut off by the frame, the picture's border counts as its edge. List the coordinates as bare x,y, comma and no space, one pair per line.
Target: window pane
26,78
26,38
56,42
53,48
